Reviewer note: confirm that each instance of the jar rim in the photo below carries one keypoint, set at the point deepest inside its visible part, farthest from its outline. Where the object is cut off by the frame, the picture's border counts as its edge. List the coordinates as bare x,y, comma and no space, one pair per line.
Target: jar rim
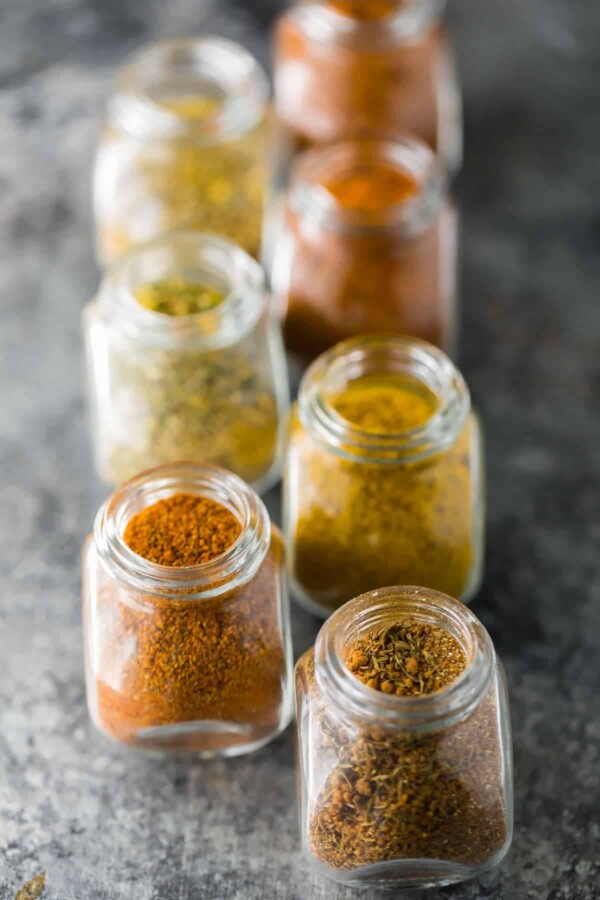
425,711
377,354
208,60
207,255
231,569
324,24
412,156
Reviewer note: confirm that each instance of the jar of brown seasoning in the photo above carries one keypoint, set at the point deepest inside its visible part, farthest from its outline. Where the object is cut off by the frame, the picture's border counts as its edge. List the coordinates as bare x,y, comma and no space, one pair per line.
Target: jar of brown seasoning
404,746
369,244
384,476
185,606
365,67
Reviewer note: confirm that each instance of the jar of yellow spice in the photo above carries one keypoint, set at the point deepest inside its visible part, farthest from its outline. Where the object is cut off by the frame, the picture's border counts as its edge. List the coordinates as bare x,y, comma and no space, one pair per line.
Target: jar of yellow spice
186,362
383,481
185,146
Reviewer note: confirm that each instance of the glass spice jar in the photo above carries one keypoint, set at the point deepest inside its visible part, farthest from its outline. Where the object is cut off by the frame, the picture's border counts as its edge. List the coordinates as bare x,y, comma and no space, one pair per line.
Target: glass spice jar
411,789
384,480
208,387
346,68
185,147
369,244
190,658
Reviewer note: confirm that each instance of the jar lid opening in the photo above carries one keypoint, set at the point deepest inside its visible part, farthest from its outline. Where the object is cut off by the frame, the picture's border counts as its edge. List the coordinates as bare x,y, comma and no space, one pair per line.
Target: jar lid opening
422,399
205,90
367,185
234,566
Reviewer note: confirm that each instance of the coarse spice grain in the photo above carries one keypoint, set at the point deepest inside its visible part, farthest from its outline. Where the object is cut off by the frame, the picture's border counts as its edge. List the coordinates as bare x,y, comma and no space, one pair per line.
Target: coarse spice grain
407,659
171,660
392,795
356,525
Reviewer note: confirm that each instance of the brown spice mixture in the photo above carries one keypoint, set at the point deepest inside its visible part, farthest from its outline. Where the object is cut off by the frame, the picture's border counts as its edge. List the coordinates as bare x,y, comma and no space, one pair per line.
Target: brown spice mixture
407,658
392,795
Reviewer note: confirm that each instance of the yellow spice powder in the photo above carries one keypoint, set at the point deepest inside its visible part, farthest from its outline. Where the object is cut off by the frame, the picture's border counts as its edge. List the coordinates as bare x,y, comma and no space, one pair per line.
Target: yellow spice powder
356,525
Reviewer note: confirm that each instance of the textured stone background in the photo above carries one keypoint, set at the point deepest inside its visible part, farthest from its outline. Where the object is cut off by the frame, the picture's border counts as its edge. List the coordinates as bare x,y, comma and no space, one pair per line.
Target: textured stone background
108,826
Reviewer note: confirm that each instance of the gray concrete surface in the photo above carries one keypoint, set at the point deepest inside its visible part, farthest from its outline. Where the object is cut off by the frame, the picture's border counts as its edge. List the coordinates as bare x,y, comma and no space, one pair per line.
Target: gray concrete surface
105,825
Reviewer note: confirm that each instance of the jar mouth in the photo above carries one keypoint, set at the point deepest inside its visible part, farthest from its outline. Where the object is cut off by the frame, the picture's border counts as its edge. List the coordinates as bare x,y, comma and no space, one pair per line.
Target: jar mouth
210,579
195,257
379,354
420,605
408,157
406,19
213,69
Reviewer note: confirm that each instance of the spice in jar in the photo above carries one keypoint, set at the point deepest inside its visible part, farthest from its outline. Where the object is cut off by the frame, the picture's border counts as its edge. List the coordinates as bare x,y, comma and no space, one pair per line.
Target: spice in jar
174,359
383,480
194,655
373,68
185,147
369,244
387,788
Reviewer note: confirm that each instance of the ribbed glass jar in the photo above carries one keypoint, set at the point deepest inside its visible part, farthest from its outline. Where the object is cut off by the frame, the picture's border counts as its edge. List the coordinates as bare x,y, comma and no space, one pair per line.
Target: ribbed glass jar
345,68
210,387
413,791
352,258
185,147
365,508
194,658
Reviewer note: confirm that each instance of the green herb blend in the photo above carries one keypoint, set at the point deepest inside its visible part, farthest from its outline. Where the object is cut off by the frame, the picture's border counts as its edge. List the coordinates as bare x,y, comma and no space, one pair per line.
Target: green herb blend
176,297
180,398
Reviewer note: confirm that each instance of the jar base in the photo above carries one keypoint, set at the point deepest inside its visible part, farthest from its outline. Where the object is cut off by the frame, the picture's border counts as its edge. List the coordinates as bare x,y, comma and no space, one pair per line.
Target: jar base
412,874
203,739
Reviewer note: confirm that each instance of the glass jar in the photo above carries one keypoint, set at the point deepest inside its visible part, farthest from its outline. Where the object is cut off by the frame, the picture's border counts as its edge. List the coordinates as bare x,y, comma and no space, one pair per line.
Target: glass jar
364,67
414,791
366,507
210,387
347,266
194,658
185,147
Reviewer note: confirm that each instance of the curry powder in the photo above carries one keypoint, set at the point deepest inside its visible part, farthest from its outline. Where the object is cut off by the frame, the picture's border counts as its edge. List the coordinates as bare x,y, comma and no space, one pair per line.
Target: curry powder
356,524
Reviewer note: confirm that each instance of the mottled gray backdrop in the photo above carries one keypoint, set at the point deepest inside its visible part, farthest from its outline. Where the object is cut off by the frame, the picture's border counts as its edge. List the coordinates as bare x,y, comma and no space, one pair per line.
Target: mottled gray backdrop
105,825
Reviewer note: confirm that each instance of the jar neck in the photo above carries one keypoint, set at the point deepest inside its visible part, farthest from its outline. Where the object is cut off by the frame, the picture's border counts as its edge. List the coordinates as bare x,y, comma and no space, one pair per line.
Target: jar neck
372,611
234,567
409,358
318,208
370,24
198,258
152,92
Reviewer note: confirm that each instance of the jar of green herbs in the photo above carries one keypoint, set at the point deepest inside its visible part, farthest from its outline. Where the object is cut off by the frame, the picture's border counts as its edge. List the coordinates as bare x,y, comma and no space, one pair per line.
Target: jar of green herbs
186,362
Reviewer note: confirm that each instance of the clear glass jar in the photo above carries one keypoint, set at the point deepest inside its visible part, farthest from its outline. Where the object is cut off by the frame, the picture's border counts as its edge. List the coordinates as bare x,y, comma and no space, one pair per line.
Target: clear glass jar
194,658
341,271
411,791
168,388
364,509
185,147
364,67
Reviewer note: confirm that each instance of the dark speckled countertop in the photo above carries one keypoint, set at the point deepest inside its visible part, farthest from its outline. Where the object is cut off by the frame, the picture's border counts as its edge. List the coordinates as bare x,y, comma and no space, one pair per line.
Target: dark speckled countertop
105,825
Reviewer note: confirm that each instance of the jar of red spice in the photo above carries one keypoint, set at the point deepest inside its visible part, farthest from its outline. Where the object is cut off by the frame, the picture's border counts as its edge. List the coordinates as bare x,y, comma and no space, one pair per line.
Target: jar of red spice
404,745
366,67
369,245
186,622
